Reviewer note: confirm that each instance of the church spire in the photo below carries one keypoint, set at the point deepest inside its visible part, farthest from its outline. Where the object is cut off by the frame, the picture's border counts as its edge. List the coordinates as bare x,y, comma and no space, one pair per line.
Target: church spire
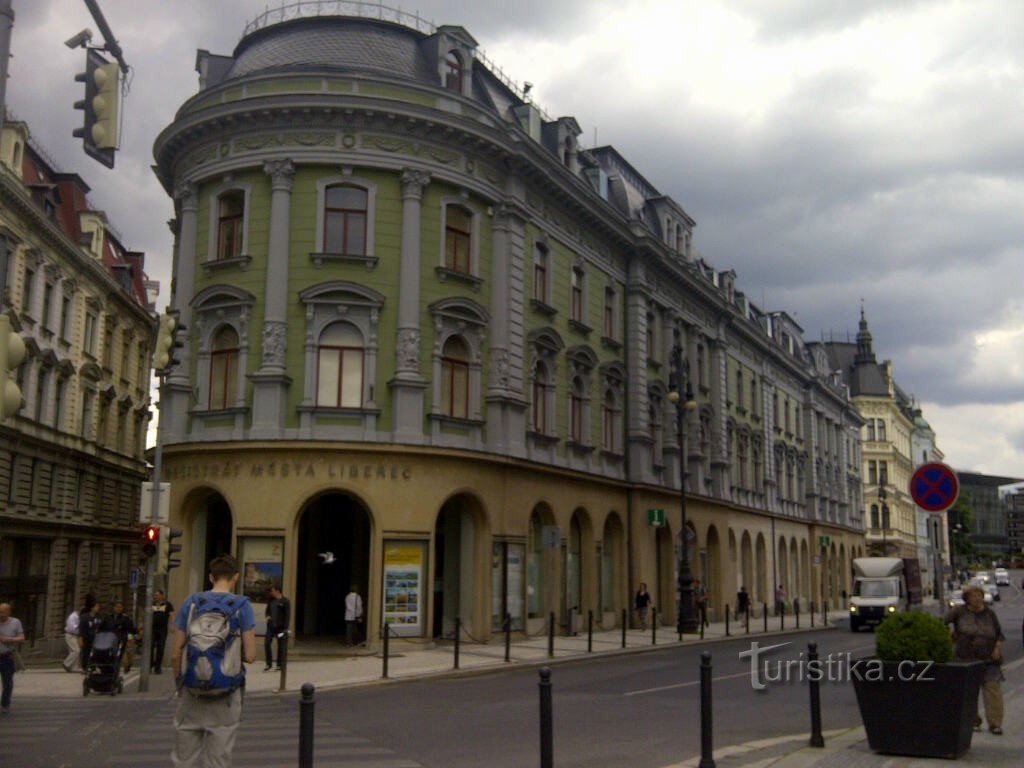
864,352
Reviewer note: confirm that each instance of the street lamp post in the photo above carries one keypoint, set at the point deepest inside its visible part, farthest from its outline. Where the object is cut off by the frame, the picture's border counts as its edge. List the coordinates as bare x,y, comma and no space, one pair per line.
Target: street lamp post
681,395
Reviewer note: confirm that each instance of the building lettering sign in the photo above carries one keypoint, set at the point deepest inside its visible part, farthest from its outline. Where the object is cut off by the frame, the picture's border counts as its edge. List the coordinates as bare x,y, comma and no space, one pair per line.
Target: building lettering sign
274,470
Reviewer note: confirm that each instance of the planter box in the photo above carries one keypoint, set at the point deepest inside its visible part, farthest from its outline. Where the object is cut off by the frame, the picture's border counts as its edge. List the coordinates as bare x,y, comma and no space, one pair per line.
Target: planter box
919,709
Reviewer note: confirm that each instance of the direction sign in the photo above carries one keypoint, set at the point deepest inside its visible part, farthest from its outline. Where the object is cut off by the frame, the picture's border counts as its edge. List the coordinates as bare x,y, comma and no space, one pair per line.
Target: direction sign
934,486
133,578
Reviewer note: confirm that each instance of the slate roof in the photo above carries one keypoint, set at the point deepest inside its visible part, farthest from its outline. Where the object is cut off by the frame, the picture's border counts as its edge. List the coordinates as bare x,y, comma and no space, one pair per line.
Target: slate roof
341,44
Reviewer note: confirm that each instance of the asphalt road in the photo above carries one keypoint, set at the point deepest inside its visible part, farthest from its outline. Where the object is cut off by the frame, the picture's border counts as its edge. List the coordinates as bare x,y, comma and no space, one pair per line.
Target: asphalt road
640,710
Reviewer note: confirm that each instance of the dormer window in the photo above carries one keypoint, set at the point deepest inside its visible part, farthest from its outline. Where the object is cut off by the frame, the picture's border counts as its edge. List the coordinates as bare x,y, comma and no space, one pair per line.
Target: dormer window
453,71
567,152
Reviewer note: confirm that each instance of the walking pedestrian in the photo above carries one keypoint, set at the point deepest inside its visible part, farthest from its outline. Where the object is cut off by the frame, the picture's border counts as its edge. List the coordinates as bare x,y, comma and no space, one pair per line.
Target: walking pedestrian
163,615
977,635
88,625
353,614
71,641
780,599
121,625
700,596
11,636
642,602
742,602
207,719
278,616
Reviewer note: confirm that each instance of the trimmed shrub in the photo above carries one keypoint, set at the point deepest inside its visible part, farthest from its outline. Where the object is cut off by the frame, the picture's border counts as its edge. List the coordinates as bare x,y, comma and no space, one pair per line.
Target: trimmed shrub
913,636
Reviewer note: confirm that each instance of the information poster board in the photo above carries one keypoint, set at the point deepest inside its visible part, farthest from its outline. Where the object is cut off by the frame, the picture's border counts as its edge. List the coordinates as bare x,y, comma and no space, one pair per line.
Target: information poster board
403,593
262,565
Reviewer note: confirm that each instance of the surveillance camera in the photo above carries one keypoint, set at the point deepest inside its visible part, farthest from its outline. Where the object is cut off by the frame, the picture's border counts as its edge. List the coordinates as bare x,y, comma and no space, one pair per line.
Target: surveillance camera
79,40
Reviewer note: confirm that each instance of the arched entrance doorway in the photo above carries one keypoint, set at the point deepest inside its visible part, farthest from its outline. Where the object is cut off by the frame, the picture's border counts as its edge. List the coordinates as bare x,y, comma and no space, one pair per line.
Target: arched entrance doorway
211,535
455,565
333,554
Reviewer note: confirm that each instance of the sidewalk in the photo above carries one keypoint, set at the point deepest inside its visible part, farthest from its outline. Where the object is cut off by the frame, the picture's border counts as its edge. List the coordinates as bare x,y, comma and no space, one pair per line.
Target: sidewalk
412,658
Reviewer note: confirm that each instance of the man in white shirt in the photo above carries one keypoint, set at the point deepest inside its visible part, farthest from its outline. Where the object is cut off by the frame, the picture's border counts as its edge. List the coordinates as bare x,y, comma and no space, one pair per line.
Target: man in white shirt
353,614
11,636
71,640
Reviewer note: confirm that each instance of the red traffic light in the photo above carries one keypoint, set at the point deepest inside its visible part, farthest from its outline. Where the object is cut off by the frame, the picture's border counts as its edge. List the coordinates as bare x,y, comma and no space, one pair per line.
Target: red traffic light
150,540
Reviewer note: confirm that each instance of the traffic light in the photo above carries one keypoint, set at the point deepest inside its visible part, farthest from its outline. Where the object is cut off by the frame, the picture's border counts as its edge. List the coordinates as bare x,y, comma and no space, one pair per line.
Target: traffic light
163,352
12,352
168,549
150,541
101,107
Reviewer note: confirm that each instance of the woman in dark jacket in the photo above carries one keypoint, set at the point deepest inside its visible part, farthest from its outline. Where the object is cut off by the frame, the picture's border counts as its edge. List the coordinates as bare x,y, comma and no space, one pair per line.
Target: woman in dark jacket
977,635
642,601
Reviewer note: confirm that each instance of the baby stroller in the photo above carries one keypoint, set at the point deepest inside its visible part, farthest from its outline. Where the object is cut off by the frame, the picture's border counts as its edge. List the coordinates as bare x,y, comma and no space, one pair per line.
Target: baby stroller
103,667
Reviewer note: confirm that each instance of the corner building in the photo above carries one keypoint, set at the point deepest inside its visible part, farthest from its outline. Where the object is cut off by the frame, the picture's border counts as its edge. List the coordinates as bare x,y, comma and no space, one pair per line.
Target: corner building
431,339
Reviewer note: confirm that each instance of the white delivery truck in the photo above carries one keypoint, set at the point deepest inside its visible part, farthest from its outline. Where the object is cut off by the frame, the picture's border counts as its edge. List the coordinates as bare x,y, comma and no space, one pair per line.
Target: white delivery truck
880,587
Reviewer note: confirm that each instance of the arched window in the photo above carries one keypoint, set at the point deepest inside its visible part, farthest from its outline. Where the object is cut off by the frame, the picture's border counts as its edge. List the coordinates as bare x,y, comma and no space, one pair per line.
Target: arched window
455,378
535,569
223,367
340,367
458,233
453,71
230,216
576,407
345,220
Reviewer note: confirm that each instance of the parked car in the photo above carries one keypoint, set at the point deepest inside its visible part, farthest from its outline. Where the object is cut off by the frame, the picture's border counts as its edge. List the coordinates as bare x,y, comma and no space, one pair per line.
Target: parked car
983,575
956,597
990,589
1002,577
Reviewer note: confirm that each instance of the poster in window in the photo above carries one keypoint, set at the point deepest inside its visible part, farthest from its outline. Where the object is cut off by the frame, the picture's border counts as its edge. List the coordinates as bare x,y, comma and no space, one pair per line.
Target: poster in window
262,566
403,586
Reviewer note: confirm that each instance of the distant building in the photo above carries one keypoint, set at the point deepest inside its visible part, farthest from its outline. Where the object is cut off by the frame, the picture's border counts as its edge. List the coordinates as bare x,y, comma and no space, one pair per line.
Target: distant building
71,461
989,521
1014,503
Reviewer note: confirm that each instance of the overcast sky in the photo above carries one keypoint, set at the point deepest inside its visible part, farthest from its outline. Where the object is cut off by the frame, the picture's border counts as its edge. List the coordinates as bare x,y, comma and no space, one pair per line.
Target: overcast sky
829,151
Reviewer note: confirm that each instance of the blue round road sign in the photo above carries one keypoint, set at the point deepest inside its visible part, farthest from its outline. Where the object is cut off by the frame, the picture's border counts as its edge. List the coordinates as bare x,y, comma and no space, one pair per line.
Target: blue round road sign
934,486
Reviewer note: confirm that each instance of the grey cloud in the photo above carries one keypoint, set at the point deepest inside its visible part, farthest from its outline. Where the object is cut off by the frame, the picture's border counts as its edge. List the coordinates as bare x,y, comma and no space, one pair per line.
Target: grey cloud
782,19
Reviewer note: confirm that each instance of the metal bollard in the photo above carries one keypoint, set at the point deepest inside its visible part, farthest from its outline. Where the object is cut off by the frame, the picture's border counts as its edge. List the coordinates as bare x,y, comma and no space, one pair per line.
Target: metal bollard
782,616
812,614
654,626
546,730
727,620
385,634
816,738
748,618
764,608
590,631
707,759
458,633
551,633
624,627
796,613
282,644
306,705
508,637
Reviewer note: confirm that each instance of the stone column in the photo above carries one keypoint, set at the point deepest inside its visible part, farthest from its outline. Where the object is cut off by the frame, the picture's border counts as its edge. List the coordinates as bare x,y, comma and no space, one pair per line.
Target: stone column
270,382
408,384
177,389
637,434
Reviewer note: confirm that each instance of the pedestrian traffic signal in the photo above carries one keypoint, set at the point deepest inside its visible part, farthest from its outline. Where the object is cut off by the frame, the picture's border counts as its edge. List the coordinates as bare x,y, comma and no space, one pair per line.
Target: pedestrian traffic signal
150,541
100,107
12,352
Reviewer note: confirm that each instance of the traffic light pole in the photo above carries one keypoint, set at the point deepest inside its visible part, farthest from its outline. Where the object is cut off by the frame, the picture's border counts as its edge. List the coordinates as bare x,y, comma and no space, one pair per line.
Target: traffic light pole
147,620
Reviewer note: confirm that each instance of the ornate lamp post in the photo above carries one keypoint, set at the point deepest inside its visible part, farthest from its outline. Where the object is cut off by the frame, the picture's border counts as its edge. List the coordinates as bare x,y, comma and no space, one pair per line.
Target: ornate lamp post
681,395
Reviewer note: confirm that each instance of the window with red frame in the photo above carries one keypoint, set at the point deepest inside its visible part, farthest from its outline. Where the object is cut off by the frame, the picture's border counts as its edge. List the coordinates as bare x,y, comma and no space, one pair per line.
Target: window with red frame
345,220
223,367
458,228
576,406
453,72
455,378
577,294
540,400
339,377
230,212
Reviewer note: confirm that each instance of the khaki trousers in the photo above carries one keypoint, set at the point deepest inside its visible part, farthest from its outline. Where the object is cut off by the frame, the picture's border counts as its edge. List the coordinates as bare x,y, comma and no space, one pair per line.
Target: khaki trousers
206,730
992,696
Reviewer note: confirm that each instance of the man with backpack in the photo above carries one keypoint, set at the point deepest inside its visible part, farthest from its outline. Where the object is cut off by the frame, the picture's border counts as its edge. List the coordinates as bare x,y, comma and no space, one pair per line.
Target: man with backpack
214,633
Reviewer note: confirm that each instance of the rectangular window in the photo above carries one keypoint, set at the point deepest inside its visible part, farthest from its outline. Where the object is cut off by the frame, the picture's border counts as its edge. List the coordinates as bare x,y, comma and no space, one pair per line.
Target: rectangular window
883,473
650,335
608,428
507,584
609,313
126,357
60,401
577,295
101,430
345,220
88,401
870,427
223,372
231,212
540,273
26,291
540,417
340,378
576,418
872,473
89,341
455,388
47,305
108,346
880,429
65,316
40,411
458,227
